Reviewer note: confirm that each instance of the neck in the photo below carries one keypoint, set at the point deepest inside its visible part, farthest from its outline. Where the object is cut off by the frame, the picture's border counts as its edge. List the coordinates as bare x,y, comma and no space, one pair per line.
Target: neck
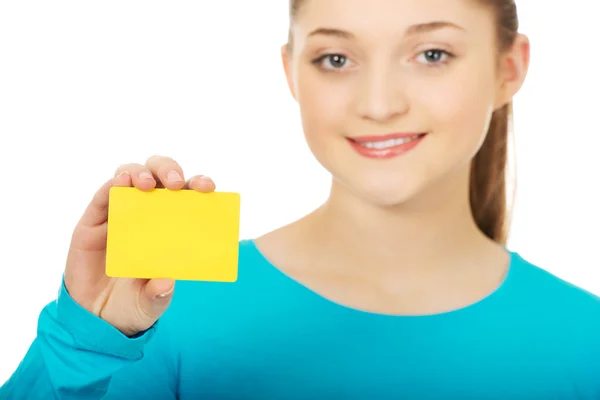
433,232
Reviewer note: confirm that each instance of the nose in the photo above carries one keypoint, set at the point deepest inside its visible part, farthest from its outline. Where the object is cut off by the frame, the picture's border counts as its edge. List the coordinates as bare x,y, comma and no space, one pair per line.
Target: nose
381,95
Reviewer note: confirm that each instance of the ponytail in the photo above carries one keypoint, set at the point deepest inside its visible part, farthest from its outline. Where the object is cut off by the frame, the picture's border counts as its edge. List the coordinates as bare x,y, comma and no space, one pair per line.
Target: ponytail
488,186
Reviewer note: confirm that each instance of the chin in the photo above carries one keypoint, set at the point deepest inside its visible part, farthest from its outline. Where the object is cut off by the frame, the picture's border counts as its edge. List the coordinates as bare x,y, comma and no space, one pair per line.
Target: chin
381,193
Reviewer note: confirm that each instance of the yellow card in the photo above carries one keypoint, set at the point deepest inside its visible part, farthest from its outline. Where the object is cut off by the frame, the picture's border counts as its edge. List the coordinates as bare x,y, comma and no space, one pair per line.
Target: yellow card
183,235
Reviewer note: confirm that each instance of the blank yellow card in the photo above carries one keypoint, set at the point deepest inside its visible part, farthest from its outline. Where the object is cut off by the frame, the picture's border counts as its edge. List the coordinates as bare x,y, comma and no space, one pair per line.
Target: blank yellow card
183,235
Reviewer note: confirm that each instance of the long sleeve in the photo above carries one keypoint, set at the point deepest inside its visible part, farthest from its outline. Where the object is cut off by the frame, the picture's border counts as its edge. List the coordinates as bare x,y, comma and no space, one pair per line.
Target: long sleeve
77,355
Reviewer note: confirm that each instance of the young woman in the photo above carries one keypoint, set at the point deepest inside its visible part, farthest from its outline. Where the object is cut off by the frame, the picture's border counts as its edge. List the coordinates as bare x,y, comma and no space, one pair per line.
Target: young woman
398,286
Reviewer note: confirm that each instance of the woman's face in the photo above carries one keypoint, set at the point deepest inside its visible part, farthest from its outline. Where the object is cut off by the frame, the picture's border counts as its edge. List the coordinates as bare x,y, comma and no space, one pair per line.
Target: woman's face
396,96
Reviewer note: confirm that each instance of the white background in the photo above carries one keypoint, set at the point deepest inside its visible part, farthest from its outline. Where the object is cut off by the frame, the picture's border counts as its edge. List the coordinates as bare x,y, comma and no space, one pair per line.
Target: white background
86,86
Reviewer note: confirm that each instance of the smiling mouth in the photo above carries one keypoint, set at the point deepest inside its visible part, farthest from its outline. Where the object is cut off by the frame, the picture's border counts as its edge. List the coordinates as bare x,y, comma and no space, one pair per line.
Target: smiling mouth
388,146
387,143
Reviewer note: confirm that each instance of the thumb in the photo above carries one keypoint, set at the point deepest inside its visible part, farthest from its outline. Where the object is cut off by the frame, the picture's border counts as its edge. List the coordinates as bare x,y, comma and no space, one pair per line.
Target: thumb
156,296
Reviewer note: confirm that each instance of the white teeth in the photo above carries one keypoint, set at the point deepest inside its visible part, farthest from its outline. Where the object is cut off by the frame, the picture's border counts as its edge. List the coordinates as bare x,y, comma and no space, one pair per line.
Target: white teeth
388,143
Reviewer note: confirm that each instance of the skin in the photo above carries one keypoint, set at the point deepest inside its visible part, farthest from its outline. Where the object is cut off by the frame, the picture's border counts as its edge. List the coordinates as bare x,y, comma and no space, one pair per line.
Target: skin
130,305
395,236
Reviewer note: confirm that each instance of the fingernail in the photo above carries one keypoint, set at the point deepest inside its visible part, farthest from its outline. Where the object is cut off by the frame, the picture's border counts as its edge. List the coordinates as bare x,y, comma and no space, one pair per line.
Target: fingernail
174,176
145,175
204,178
122,173
165,294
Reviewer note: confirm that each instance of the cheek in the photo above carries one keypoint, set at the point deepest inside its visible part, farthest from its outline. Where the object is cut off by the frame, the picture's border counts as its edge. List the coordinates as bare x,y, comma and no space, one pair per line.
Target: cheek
458,109
324,105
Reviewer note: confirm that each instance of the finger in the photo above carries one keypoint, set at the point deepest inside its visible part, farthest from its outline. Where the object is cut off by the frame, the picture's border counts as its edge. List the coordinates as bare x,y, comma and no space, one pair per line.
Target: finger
159,288
166,171
96,212
141,177
156,296
201,183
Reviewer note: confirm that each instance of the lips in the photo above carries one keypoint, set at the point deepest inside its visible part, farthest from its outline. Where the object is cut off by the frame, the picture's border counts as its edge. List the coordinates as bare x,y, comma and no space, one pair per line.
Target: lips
390,136
386,146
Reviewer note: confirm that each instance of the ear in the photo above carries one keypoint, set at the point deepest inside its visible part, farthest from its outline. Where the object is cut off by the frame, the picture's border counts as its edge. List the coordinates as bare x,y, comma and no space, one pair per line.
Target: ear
513,68
285,58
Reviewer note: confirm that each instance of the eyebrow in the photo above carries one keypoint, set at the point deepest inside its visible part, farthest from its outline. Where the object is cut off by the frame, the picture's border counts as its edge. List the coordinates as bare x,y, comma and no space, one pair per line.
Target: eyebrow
410,31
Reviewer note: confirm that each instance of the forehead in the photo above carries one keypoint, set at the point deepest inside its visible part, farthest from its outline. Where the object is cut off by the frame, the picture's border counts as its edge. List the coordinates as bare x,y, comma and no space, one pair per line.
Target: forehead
390,16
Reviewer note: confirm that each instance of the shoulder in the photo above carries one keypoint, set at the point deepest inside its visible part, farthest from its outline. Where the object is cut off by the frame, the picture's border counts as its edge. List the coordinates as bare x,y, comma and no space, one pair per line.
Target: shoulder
546,290
255,275
546,280
203,311
557,315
